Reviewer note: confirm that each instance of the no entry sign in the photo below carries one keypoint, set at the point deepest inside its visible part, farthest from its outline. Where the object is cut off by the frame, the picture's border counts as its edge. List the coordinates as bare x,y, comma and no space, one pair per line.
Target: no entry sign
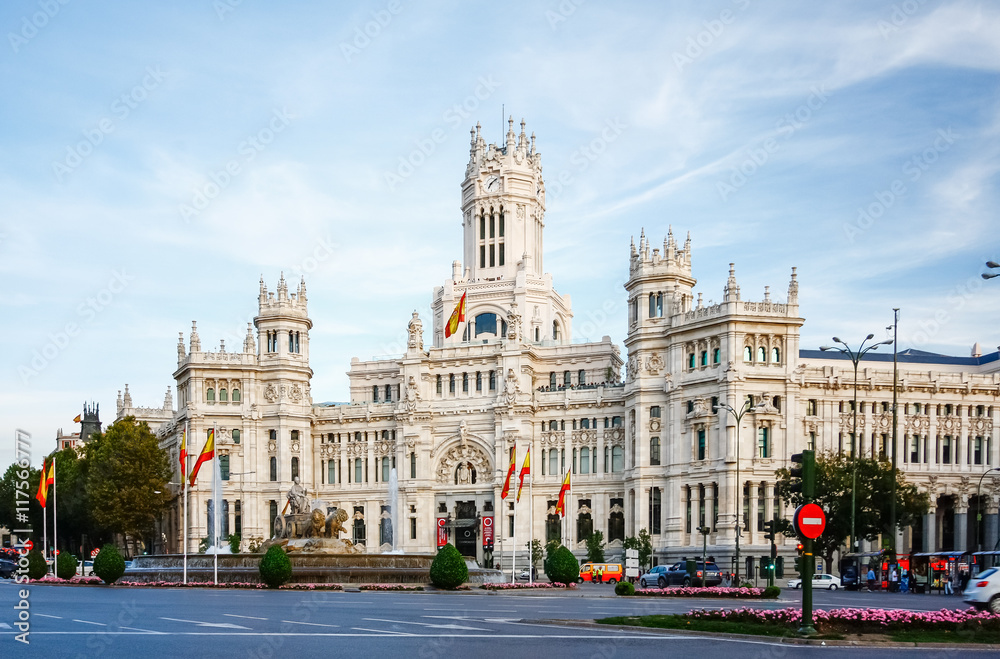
809,521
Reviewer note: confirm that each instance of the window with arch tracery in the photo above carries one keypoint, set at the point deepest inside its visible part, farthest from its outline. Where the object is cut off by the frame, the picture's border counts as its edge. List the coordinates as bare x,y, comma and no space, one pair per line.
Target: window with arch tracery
223,395
762,355
236,395
748,354
210,395
775,355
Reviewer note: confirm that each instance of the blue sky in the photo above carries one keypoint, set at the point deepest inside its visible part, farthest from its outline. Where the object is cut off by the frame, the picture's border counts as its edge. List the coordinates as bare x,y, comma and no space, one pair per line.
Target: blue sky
858,141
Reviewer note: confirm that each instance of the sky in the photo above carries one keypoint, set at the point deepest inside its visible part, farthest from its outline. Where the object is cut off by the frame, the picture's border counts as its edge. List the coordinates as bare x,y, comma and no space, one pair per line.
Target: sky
159,159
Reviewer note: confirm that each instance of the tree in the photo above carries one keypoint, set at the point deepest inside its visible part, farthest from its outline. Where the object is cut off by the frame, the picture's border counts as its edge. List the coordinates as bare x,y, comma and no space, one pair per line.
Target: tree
562,567
275,567
448,570
644,544
595,547
109,564
536,552
12,497
127,478
834,480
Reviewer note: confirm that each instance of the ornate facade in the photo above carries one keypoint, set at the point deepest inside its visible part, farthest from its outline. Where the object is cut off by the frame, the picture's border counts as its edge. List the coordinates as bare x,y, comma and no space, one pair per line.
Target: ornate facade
651,451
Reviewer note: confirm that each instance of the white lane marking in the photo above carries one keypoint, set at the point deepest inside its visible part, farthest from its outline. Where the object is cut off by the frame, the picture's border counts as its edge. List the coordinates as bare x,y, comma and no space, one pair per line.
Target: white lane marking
465,609
44,615
314,624
148,631
4,625
200,623
426,624
233,615
380,632
87,622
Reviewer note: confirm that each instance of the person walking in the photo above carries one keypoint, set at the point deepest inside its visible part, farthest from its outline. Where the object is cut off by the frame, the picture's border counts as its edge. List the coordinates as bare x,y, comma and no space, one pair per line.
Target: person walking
893,580
963,581
871,579
904,582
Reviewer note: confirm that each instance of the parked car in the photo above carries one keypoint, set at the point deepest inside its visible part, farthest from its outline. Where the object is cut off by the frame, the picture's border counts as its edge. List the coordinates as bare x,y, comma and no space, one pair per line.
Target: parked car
525,575
85,568
706,574
7,568
610,572
983,591
655,578
827,581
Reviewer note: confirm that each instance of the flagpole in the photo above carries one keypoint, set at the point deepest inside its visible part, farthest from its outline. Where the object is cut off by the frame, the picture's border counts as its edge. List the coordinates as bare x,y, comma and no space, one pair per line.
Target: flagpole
185,488
55,518
45,520
215,504
531,530
513,535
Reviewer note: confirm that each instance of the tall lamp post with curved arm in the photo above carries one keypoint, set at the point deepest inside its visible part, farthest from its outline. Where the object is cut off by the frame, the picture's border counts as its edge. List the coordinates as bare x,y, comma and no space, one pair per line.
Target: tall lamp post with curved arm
855,356
738,415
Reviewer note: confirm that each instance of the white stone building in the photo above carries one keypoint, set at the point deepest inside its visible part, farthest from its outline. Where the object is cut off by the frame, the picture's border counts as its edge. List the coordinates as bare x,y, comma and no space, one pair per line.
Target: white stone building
647,452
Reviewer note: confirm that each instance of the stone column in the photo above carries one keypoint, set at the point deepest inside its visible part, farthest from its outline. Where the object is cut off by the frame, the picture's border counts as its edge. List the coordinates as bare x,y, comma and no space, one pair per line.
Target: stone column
961,529
754,497
930,529
991,525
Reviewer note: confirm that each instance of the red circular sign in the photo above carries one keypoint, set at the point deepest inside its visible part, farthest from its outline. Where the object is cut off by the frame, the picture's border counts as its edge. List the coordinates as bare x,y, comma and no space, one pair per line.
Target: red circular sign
94,553
809,520
29,545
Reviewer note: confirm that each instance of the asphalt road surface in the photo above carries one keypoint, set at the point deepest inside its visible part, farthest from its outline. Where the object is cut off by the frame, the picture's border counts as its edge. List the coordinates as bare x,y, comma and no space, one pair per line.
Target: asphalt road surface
141,622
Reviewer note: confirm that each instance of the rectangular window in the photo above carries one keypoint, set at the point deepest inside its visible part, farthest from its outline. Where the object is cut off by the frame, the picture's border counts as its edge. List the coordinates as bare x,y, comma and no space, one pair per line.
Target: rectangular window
482,227
439,384
701,444
763,450
413,465
493,255
687,516
358,470
553,461
413,528
374,393
500,250
493,380
465,383
482,256
273,469
704,358
331,472
654,451
811,407
224,467
501,224
451,383
479,381
977,451
654,510
388,393
581,377
690,360
654,412
946,450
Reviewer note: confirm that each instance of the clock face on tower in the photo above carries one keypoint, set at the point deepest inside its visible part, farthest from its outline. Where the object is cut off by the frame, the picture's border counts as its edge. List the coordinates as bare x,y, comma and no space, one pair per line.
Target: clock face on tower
492,184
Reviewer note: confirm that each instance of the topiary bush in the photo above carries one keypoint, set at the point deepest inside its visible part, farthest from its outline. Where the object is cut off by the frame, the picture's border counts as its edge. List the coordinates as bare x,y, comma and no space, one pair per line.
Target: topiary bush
234,543
37,567
448,569
109,564
562,567
624,588
275,567
771,592
66,566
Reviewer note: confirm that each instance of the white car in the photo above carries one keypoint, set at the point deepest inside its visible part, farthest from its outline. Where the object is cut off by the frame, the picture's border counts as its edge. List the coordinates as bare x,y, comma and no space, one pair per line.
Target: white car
827,581
983,591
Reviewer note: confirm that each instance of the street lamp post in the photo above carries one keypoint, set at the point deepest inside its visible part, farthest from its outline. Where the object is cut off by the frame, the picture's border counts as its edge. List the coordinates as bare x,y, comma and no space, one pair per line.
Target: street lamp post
747,406
979,506
895,402
855,356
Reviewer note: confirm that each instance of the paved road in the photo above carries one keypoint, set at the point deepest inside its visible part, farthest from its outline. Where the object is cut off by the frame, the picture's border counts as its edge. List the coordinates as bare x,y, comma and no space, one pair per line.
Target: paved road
105,622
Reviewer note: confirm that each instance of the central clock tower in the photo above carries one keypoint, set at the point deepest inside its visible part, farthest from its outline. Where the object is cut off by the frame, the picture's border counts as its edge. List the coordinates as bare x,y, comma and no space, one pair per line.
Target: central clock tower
503,206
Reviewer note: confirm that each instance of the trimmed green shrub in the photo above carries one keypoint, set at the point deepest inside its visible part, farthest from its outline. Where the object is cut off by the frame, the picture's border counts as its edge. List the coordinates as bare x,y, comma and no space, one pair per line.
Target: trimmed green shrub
771,592
448,569
109,564
36,565
66,566
275,567
624,588
562,567
234,543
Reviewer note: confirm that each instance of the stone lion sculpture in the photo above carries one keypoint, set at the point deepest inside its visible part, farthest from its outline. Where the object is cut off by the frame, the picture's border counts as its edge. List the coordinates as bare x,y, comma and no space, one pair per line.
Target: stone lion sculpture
335,523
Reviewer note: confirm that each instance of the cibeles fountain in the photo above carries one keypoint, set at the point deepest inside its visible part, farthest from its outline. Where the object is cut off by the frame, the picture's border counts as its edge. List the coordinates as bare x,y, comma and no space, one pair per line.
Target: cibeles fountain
309,530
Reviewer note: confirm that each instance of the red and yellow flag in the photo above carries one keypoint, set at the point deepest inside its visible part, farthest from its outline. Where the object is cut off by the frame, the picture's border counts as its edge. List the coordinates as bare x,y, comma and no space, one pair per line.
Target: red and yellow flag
206,454
48,478
77,419
183,455
561,504
457,317
525,470
510,474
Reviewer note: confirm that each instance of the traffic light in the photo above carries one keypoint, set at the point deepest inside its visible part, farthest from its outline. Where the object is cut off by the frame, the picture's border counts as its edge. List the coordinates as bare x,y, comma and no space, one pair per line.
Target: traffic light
769,530
803,473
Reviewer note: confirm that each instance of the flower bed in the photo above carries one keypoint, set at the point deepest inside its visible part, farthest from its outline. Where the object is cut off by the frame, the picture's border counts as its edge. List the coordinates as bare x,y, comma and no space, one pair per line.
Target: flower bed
717,591
520,586
93,581
86,581
862,621
389,587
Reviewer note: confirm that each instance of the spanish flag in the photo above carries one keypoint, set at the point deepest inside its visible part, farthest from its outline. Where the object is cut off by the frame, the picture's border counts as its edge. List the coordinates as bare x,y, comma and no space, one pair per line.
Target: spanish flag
457,317
510,474
183,455
525,471
77,419
561,505
206,454
48,478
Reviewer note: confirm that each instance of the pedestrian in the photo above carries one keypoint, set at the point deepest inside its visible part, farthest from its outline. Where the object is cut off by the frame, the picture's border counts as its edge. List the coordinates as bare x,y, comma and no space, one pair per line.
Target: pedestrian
904,582
963,581
893,580
871,579
948,590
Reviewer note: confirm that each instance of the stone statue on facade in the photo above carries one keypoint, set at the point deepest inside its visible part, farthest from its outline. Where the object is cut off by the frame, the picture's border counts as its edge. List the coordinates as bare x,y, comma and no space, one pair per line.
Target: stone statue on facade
298,498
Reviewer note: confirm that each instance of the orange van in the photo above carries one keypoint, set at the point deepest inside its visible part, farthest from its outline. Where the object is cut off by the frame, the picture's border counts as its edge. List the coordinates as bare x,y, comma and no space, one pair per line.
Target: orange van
609,572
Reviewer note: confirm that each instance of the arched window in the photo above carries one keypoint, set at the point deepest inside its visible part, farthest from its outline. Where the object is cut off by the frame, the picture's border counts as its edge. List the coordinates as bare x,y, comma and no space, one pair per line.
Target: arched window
556,334
704,358
581,377
552,380
748,354
538,334
775,355
584,460
236,395
654,451
274,468
493,380
236,436
374,393
716,354
567,379
210,395
223,396
762,355
617,459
